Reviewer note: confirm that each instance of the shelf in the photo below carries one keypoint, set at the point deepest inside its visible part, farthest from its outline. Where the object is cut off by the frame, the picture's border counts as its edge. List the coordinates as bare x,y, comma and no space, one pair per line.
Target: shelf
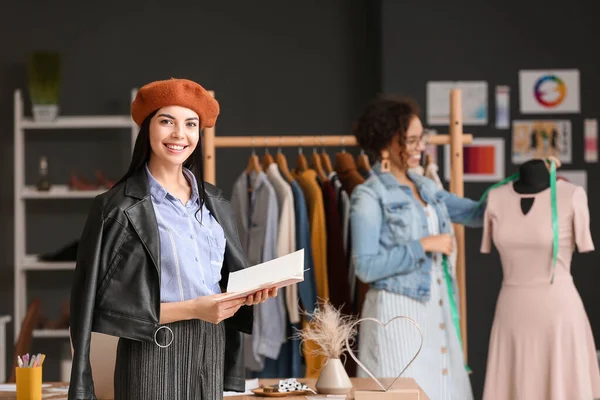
31,263
26,265
59,192
81,122
51,333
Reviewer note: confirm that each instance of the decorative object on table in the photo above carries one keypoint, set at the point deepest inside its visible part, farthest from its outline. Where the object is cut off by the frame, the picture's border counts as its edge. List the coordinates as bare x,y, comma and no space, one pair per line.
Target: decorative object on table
332,332
44,78
392,394
285,388
29,376
43,183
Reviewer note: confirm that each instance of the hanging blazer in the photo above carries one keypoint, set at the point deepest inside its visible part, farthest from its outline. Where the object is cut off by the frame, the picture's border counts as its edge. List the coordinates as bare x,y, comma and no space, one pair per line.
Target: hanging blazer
116,287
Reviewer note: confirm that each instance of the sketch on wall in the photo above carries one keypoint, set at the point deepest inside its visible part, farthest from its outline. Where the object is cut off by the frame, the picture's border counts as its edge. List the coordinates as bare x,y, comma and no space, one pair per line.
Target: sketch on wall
474,102
541,138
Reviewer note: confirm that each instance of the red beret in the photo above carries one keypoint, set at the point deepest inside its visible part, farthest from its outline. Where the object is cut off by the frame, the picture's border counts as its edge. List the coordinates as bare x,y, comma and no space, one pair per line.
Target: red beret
175,92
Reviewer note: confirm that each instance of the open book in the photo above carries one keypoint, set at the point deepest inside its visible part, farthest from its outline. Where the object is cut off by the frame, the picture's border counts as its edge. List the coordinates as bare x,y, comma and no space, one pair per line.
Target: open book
280,272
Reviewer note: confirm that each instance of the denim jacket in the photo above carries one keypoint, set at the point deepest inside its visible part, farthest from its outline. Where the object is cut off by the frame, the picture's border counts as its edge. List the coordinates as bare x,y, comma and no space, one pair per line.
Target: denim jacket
388,223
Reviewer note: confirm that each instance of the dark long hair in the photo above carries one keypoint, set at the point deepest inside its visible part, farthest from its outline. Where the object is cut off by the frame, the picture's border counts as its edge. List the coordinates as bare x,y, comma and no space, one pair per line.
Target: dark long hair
142,151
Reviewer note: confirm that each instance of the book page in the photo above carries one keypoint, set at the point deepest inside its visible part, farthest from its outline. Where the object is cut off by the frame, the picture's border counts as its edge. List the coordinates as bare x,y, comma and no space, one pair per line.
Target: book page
279,272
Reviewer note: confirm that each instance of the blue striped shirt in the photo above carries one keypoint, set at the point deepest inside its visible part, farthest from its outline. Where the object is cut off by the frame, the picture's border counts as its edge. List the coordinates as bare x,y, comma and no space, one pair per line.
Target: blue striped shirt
192,244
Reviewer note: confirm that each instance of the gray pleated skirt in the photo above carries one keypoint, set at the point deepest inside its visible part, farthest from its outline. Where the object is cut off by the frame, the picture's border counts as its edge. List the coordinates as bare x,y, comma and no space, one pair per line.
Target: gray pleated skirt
190,368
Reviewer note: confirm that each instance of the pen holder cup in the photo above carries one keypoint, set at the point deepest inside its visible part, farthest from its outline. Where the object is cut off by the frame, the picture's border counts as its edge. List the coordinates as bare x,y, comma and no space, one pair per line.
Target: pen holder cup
29,383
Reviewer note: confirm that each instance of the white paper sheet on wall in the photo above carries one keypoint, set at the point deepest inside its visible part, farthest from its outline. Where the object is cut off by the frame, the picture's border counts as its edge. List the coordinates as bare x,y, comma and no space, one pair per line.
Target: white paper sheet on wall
502,107
474,102
590,134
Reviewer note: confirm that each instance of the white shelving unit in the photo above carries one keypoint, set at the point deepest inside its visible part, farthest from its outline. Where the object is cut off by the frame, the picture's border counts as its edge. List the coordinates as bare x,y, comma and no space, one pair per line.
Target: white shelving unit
4,320
28,262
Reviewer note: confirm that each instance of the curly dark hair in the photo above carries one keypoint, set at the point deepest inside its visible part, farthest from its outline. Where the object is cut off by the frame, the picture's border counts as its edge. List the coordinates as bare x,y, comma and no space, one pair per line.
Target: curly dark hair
381,120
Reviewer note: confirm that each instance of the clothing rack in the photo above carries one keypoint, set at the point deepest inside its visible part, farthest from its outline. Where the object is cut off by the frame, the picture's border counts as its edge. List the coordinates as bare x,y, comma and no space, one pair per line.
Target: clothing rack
456,139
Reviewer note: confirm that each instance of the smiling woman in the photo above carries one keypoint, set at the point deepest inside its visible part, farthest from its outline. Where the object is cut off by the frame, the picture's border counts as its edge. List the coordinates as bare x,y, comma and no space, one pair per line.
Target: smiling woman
153,255
401,235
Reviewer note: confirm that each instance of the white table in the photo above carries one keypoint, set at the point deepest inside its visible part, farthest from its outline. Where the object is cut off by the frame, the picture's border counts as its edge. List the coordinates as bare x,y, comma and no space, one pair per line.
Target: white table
4,319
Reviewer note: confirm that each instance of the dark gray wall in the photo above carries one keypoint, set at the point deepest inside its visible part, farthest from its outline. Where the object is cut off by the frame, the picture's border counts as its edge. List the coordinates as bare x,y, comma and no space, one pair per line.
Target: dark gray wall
492,41
278,68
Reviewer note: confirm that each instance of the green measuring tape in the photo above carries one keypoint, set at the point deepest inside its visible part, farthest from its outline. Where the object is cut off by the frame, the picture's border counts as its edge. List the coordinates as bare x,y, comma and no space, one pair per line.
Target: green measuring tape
554,218
445,264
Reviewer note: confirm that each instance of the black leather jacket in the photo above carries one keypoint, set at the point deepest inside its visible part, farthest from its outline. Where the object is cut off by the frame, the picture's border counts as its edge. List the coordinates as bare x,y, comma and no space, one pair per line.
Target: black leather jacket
116,288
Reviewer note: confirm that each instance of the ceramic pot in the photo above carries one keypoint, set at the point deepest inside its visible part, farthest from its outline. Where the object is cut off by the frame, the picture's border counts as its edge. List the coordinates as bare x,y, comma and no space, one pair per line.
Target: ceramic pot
333,378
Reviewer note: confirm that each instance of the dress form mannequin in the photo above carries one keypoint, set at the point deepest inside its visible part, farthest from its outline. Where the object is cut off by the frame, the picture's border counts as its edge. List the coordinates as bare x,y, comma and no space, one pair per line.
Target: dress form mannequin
536,273
533,178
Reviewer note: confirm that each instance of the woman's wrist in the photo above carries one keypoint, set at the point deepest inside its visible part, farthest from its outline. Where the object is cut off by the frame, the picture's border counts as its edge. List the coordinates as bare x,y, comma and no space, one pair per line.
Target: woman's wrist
178,311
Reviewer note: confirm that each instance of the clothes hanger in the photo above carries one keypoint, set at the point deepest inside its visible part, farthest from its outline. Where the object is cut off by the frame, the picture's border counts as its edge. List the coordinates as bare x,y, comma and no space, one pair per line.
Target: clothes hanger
362,161
341,157
283,165
315,163
325,160
253,162
267,158
301,163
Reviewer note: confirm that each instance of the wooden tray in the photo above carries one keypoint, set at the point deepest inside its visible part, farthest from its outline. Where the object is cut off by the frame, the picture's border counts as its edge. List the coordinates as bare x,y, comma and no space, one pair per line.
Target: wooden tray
260,392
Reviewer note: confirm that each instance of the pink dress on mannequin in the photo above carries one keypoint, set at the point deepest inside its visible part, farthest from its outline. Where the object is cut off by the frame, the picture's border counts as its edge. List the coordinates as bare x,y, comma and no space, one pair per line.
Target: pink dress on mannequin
541,344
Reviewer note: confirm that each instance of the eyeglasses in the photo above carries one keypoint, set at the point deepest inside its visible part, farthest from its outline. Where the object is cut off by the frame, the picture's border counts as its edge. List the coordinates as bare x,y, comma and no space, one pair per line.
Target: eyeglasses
414,141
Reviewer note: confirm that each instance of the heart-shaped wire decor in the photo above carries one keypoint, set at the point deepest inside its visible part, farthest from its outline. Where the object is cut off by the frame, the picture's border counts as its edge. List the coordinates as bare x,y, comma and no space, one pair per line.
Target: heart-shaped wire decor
385,389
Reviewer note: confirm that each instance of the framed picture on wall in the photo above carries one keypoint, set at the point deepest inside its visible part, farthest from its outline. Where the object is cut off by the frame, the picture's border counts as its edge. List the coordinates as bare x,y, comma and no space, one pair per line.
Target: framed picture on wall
483,160
540,139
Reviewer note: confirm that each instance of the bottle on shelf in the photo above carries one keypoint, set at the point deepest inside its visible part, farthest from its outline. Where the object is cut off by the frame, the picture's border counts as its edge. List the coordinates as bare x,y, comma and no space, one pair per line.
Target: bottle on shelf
43,180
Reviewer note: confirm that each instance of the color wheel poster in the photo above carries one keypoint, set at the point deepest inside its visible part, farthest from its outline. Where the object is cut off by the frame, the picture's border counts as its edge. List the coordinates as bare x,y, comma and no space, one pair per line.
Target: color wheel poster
550,91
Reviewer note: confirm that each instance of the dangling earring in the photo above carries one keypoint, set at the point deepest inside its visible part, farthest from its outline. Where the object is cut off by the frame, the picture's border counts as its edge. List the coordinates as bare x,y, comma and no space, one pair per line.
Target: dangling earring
385,161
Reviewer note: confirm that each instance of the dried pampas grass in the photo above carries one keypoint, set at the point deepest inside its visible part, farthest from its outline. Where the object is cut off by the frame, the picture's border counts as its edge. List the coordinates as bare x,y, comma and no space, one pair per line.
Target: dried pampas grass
329,329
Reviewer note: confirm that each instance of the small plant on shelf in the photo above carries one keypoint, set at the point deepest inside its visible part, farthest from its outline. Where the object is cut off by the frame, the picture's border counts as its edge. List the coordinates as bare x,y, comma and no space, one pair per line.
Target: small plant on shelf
44,79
